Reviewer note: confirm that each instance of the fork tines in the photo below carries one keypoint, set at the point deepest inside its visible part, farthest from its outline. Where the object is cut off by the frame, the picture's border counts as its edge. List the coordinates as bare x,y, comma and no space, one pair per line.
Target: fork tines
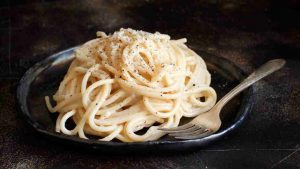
187,131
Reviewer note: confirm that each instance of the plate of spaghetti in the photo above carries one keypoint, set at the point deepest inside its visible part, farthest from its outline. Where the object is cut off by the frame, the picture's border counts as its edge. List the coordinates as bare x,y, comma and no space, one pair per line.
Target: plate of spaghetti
113,92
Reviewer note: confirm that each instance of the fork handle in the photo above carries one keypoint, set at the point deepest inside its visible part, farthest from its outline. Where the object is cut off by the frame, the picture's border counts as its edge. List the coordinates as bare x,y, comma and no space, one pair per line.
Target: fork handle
263,71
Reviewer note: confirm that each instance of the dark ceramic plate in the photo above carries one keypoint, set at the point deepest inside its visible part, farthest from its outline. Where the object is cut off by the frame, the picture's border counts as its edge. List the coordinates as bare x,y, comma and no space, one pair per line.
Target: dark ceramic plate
43,79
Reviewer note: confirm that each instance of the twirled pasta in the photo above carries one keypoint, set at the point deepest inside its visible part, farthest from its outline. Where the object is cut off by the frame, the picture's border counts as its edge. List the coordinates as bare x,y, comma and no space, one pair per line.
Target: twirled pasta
121,83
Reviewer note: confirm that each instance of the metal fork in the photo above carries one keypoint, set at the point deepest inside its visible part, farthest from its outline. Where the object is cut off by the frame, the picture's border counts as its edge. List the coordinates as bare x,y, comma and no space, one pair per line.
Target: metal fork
209,122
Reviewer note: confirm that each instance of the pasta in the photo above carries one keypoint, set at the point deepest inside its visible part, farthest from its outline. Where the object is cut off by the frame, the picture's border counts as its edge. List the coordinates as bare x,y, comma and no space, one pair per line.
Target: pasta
131,80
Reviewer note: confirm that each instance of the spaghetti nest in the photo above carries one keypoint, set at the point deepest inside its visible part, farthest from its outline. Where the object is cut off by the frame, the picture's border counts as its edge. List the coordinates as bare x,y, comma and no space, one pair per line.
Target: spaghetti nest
131,80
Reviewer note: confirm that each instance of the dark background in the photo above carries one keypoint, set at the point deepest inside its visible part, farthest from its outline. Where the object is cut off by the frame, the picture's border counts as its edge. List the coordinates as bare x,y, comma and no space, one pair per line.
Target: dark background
248,33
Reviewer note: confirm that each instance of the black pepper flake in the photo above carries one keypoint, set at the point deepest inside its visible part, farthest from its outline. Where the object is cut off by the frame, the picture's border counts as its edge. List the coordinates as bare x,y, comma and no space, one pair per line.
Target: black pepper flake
194,84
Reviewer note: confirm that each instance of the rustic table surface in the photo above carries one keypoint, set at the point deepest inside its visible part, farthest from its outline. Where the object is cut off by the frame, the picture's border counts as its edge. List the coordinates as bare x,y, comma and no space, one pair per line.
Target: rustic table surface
246,33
